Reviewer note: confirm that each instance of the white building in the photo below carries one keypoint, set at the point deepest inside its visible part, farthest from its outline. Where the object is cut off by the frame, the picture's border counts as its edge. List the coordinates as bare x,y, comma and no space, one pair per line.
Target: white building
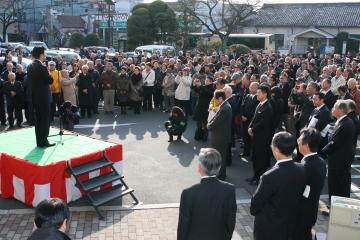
300,27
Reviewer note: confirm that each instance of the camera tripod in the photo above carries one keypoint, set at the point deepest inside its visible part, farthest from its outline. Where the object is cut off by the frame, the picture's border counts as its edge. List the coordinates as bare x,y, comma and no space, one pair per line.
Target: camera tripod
61,132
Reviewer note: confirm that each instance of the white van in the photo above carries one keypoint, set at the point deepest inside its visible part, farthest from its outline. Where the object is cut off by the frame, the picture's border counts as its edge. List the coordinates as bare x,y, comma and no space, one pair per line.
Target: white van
161,49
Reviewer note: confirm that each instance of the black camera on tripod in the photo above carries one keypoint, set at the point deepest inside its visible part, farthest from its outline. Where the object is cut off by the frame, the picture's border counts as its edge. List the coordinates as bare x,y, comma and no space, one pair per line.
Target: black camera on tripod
69,116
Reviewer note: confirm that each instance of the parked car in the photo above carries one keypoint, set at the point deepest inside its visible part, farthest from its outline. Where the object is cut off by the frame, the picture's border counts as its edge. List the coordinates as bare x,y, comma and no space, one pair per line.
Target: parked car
128,54
69,56
26,61
52,54
2,51
38,44
161,49
12,45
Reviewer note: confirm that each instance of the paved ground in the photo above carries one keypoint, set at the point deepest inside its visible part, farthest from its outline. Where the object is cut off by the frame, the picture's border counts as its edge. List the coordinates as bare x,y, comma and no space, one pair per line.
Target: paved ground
157,170
151,224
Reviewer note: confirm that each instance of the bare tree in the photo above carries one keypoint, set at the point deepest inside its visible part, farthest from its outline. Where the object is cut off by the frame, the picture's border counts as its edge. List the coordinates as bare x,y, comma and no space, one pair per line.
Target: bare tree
221,17
8,15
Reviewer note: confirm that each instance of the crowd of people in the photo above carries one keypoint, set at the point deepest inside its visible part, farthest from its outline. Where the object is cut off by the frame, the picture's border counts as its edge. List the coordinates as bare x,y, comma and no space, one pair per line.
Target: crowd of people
247,98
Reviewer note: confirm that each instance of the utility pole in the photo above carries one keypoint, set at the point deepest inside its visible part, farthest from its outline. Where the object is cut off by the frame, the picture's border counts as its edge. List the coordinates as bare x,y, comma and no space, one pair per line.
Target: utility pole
110,22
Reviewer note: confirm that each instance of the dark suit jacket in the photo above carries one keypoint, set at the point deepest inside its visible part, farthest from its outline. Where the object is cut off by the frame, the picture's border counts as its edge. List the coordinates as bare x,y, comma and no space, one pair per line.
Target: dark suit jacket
17,87
275,201
315,168
305,106
207,211
248,106
323,117
40,81
340,147
355,118
220,126
261,124
48,233
347,96
330,99
285,93
278,110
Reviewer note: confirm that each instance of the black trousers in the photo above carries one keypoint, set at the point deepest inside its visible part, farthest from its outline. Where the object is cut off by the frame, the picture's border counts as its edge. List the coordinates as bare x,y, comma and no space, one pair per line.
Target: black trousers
11,109
302,229
148,95
158,97
260,155
29,112
339,183
2,109
136,105
96,99
246,138
56,103
223,150
201,132
88,109
42,123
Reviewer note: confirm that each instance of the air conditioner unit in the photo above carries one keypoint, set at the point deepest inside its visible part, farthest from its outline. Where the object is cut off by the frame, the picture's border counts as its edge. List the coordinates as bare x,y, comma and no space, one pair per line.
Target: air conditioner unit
344,220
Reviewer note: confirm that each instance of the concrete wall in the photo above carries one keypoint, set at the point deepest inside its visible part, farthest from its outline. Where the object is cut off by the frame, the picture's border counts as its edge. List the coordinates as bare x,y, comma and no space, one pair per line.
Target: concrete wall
288,31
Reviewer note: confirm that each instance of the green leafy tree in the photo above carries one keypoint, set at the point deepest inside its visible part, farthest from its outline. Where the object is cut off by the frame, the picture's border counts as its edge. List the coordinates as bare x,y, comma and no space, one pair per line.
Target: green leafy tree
164,20
91,40
140,29
138,6
76,40
340,38
239,49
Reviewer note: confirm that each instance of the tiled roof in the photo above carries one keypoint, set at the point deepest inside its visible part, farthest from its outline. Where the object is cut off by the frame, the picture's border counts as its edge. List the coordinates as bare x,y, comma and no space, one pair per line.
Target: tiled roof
308,14
71,21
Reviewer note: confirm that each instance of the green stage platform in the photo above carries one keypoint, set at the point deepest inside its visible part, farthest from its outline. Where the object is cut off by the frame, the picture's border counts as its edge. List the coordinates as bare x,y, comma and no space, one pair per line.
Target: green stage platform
22,144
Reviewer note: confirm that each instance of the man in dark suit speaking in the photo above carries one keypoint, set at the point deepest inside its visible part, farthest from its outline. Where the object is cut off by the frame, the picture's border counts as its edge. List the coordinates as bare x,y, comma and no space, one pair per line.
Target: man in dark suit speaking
315,168
275,201
208,209
40,80
220,129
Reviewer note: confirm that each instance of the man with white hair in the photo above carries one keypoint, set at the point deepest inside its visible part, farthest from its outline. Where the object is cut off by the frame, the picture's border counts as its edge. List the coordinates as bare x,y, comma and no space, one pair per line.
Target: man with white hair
85,92
355,92
207,209
14,98
339,152
9,69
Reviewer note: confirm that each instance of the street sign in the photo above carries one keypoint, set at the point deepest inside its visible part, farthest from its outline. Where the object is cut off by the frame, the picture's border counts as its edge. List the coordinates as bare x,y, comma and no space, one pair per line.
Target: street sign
121,25
117,24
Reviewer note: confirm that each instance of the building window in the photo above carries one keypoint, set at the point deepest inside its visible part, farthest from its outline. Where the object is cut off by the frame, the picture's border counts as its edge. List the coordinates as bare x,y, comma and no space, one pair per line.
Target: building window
279,40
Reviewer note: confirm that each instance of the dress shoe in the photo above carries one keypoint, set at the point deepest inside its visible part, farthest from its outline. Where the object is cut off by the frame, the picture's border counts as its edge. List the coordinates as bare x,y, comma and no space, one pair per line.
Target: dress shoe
325,213
47,145
250,179
244,154
254,182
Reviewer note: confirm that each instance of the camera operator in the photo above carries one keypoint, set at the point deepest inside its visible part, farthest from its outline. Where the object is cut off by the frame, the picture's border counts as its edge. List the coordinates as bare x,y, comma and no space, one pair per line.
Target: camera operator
69,116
